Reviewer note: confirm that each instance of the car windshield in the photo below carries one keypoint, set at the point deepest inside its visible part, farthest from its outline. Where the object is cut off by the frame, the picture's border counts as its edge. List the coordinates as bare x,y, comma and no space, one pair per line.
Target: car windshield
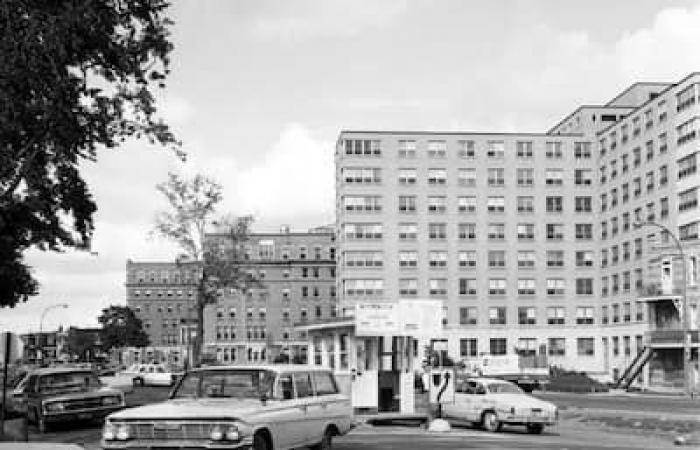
504,388
64,382
234,383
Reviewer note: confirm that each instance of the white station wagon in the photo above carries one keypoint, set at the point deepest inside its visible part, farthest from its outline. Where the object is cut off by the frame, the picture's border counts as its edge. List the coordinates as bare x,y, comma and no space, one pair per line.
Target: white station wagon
261,407
492,403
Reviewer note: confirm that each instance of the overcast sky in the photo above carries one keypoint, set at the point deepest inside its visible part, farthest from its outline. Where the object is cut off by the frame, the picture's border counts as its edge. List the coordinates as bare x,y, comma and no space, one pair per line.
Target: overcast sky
260,90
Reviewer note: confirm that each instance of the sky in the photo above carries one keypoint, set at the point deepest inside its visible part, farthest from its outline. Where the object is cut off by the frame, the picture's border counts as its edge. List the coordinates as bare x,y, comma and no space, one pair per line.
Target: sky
260,90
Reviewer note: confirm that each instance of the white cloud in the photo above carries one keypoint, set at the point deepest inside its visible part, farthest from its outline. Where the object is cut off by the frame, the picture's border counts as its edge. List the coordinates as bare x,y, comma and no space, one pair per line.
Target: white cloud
328,18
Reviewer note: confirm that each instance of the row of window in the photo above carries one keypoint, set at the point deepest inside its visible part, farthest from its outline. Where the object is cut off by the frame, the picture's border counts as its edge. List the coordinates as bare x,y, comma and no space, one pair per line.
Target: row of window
611,140
465,231
555,346
438,287
616,283
437,204
637,216
525,259
466,177
527,315
636,189
626,164
622,313
231,314
465,149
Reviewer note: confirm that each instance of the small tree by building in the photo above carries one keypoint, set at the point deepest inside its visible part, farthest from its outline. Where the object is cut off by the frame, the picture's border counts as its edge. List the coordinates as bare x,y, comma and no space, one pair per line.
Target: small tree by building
121,328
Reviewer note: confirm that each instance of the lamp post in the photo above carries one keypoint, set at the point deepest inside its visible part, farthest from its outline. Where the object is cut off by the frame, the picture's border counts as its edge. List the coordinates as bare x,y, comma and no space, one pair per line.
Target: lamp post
687,381
41,326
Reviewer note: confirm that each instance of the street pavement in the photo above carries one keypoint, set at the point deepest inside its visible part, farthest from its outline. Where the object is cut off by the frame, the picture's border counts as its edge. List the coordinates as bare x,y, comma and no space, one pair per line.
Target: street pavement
571,433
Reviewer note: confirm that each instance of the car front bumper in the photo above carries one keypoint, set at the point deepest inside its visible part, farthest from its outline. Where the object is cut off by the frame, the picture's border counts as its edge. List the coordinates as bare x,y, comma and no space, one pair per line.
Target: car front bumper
514,419
246,443
75,416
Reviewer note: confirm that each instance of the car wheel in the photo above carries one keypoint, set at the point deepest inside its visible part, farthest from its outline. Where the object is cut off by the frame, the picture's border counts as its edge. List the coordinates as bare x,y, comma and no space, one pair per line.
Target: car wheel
535,428
260,442
326,442
490,422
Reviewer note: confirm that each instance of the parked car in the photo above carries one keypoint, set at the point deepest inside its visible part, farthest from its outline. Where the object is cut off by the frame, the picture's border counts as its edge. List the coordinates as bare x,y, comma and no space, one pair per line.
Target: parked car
492,403
53,395
149,375
263,407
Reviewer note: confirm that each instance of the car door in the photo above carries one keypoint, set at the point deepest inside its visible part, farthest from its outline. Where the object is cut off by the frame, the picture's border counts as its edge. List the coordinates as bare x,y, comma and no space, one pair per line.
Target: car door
282,413
325,407
307,420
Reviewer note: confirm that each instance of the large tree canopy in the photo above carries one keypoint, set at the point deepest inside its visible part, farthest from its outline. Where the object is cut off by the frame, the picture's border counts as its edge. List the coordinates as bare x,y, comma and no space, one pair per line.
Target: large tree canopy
75,76
121,328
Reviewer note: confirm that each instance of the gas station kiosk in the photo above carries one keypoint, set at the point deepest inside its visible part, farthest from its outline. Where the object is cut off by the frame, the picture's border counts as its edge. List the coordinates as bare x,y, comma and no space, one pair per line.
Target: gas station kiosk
374,354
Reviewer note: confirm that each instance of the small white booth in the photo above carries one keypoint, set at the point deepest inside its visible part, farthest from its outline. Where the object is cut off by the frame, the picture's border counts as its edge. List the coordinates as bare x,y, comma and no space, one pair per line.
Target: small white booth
375,353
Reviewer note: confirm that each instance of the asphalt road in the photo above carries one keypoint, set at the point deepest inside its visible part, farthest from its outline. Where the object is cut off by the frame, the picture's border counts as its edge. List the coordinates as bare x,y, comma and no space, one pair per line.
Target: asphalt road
625,402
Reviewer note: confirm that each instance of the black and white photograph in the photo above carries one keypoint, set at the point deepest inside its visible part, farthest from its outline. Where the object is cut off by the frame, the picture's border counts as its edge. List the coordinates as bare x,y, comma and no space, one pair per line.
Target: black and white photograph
349,224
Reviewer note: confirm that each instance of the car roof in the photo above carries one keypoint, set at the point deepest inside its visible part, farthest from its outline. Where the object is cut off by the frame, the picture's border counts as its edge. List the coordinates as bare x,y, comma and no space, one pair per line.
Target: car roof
272,367
53,370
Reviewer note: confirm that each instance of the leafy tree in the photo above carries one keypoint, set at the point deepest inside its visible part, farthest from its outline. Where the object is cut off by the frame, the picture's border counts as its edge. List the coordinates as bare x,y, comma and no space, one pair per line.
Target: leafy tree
75,77
82,342
121,328
216,256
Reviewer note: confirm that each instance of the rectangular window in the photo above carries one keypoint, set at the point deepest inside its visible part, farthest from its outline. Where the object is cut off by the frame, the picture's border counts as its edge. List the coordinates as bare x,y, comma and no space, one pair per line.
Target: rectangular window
364,231
467,286
584,258
584,204
437,149
466,204
407,149
582,150
468,348
523,149
525,177
584,231
554,177
687,166
363,259
526,286
437,231
583,177
466,177
498,346
526,259
497,286
408,287
555,231
556,315
363,287
496,177
686,97
496,232
437,259
468,315
362,175
497,258
553,150
555,204
526,231
407,203
362,147
584,286
437,176
687,131
407,176
584,315
585,346
466,149
497,315
555,258
555,286
527,315
366,203
495,150
437,204
467,259
408,231
496,204
408,259
526,204
688,199
466,231
437,287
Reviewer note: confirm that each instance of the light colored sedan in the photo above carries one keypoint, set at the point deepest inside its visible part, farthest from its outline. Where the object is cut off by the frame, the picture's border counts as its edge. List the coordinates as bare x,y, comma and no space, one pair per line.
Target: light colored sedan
148,375
492,403
262,407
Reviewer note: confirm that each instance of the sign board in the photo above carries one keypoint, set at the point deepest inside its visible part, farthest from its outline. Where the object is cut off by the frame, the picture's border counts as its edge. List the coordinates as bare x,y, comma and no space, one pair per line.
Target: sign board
376,319
441,385
420,318
16,347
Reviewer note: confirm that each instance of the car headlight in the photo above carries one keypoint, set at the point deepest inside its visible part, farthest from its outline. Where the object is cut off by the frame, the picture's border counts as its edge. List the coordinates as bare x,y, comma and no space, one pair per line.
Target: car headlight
109,432
123,432
54,407
232,434
107,401
216,434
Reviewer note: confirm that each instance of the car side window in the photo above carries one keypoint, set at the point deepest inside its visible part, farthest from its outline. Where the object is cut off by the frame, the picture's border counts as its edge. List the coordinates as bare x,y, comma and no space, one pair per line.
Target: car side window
142,369
324,383
160,370
285,387
480,389
302,384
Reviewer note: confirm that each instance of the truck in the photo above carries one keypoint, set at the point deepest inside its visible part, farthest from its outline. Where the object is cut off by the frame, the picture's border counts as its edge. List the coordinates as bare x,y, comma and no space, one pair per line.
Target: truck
527,371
